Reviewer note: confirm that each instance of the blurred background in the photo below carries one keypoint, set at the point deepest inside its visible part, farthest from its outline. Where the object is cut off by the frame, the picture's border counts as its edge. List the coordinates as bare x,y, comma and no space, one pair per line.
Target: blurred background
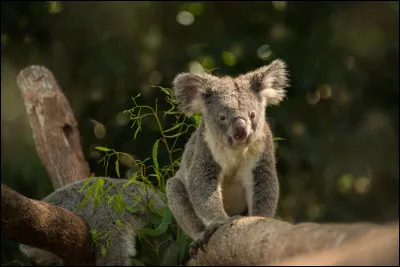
338,161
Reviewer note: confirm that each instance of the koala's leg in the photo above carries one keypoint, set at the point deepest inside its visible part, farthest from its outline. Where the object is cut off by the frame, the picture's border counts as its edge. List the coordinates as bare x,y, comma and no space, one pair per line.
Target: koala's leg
181,207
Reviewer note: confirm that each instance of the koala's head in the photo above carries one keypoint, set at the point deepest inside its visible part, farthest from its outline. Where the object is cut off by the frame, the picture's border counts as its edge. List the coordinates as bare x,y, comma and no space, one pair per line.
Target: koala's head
233,108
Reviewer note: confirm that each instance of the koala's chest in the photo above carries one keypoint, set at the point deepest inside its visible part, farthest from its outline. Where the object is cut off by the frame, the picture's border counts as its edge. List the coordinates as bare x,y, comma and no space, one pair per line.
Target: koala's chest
236,175
235,194
237,184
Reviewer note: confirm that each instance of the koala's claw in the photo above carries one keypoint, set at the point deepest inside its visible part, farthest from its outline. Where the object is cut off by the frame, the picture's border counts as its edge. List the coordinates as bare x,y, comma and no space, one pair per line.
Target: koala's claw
203,239
194,247
206,235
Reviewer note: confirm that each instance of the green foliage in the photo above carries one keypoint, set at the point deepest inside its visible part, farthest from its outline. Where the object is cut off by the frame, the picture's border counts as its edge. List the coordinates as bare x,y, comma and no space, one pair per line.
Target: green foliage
161,241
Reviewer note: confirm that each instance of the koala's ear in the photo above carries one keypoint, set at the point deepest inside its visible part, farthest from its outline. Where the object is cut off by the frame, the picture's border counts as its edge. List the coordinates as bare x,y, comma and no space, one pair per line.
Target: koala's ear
270,81
188,90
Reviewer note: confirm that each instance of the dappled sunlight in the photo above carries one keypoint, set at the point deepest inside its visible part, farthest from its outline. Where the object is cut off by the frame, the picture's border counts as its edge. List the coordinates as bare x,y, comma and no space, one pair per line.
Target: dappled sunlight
185,18
155,77
195,67
264,52
337,159
324,91
361,185
228,58
279,5
313,97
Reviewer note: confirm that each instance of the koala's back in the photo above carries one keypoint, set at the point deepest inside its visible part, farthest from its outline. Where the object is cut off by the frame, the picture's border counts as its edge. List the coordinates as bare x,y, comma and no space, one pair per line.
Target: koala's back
70,197
101,218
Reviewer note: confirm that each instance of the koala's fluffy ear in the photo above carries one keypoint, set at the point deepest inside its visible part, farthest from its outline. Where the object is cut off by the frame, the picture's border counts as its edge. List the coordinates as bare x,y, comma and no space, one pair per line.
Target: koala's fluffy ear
270,81
189,90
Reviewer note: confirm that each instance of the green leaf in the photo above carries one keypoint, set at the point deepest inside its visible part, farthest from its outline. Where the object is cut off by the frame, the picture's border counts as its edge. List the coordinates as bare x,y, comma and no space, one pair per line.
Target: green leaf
108,242
154,156
173,136
117,167
118,204
136,132
184,242
131,209
132,180
173,127
162,228
85,184
278,139
103,250
119,223
103,148
110,200
98,192
94,232
137,199
196,118
171,255
87,196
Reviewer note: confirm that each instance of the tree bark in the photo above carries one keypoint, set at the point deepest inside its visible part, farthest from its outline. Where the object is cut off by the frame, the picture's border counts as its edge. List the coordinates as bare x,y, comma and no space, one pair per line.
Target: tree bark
46,226
263,241
54,127
56,135
378,247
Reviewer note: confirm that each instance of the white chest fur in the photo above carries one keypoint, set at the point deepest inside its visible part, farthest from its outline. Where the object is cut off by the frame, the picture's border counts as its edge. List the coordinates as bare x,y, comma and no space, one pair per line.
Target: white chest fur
236,175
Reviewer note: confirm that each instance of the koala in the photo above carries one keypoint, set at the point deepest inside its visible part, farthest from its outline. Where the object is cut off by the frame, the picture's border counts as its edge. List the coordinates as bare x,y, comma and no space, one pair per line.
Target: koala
101,218
228,167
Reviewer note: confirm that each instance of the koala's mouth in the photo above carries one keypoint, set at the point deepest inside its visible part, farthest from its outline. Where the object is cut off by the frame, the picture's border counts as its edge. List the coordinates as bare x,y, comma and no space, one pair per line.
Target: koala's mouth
239,143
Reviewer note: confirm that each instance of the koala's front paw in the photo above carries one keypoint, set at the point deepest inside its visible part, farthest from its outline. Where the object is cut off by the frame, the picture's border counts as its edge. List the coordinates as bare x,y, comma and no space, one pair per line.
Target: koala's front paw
206,235
203,239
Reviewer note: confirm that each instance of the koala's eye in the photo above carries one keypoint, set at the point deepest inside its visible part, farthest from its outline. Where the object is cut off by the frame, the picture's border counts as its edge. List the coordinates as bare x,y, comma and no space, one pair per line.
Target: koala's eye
253,115
222,117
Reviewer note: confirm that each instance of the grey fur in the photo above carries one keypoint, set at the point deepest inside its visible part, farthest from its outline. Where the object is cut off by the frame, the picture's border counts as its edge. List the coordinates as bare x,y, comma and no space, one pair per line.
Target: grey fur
220,176
102,218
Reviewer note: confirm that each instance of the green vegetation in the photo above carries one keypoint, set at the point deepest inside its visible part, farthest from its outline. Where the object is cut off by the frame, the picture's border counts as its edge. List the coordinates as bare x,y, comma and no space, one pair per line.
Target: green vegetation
339,159
161,241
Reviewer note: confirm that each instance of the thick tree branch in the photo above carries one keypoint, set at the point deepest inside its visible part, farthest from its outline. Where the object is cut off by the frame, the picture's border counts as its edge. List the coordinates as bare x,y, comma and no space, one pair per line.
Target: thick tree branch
45,226
263,241
55,131
54,127
377,247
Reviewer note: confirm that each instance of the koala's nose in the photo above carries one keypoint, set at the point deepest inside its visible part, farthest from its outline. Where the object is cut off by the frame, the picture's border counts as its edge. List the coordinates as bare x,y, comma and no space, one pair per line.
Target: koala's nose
239,128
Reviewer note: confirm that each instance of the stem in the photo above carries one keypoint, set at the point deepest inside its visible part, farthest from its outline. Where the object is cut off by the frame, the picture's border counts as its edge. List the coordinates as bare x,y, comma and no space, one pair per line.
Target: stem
180,129
162,133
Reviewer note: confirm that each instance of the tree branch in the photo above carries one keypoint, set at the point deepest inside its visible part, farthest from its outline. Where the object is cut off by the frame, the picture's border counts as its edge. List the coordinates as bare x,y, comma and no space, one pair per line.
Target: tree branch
263,241
54,127
46,226
377,247
56,135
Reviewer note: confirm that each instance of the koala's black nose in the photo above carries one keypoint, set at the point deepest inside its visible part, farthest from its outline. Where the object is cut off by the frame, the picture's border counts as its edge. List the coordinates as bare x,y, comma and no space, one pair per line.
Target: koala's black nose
239,128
